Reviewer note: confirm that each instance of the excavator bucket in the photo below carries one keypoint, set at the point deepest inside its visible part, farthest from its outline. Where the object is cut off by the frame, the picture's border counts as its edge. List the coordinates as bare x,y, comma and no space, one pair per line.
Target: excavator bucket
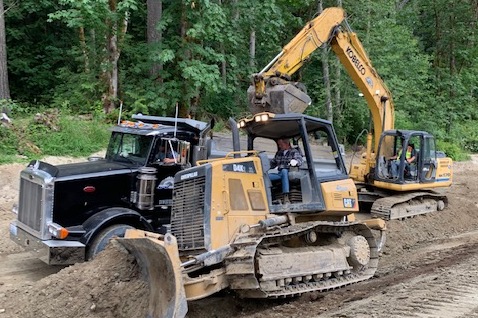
159,260
279,99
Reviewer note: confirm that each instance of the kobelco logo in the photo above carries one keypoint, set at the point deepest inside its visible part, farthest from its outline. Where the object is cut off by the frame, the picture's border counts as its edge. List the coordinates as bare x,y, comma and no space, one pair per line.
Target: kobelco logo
355,60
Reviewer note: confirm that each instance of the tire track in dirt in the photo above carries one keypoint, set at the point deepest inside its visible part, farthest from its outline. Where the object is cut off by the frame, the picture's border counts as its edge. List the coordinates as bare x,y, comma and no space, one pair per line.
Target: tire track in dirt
25,266
445,286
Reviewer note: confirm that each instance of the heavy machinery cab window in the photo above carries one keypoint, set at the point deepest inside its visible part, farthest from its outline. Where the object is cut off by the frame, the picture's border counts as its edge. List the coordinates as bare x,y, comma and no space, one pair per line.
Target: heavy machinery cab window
129,148
400,157
324,158
171,151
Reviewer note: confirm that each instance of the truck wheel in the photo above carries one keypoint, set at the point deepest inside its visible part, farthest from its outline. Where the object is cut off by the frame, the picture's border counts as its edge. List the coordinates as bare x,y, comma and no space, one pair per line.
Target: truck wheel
103,237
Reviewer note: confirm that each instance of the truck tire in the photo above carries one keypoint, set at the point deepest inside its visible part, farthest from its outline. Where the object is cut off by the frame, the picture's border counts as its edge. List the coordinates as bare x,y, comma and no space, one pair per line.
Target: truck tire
100,241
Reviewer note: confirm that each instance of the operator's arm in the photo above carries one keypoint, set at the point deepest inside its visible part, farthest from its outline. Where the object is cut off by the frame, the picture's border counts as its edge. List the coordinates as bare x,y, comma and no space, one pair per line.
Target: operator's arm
413,156
275,161
297,156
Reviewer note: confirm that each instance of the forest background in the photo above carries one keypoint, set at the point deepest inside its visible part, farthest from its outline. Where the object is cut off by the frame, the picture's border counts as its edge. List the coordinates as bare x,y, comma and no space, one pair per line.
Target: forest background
91,57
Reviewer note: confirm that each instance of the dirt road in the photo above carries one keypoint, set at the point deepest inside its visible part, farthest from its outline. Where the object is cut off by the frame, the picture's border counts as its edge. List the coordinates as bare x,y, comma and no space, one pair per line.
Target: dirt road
428,269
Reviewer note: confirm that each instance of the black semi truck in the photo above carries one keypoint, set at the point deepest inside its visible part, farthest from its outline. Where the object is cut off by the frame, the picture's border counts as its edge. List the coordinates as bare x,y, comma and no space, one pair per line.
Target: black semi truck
67,213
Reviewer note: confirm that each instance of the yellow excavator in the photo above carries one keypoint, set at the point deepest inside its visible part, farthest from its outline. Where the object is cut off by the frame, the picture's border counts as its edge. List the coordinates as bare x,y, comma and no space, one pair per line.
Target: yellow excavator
392,184
230,225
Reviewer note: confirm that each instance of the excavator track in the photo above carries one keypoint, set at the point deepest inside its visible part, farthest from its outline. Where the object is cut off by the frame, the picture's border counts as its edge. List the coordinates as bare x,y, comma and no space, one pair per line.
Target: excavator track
262,266
402,206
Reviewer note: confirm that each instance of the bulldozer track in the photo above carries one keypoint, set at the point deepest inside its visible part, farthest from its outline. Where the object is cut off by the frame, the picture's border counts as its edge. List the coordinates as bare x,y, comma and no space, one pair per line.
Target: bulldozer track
406,205
242,274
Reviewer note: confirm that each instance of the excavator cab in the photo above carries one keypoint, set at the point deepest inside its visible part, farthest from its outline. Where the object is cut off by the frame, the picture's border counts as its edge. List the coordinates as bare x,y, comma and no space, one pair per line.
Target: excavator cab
407,157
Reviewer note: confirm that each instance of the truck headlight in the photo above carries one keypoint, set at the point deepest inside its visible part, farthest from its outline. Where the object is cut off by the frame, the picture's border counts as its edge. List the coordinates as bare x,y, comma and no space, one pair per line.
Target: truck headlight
57,231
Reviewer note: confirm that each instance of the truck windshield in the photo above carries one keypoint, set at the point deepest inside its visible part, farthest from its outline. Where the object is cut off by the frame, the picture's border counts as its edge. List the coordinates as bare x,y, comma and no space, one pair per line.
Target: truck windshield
129,148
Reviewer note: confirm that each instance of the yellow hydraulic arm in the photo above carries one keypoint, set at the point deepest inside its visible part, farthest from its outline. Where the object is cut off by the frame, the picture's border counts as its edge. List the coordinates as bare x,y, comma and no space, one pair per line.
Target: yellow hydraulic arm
272,90
353,57
312,36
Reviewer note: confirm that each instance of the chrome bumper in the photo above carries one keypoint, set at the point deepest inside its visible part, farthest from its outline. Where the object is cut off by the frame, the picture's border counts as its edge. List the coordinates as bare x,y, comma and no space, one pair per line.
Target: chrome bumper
52,252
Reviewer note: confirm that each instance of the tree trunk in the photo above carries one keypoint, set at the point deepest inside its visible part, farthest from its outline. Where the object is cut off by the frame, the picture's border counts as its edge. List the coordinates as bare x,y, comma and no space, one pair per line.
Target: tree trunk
84,49
325,69
155,11
115,37
4,87
252,49
223,63
184,110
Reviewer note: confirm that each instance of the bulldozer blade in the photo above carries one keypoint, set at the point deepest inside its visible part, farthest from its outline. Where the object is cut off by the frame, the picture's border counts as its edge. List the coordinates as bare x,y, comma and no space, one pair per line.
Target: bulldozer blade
159,261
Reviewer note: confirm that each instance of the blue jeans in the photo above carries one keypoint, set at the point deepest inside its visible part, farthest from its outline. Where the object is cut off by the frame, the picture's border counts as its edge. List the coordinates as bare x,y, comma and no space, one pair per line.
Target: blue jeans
395,164
282,175
394,167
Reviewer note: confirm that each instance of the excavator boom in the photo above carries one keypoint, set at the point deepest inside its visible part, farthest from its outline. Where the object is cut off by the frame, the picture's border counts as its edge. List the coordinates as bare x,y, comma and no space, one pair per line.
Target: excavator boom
314,34
273,91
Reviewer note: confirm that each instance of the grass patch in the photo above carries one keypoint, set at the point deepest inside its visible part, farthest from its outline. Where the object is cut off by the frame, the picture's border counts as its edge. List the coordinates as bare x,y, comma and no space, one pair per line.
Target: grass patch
26,139
76,138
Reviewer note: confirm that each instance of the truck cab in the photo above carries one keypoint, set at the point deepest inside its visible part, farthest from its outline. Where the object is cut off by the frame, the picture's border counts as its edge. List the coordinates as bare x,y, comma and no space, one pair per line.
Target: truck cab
67,213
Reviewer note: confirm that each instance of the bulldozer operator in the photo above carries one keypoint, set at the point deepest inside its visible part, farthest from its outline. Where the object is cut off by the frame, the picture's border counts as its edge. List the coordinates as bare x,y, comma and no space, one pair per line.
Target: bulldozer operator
284,158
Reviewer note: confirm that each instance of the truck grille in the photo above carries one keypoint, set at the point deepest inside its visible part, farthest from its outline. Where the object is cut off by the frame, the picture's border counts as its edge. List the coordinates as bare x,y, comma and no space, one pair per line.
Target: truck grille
34,204
30,204
187,220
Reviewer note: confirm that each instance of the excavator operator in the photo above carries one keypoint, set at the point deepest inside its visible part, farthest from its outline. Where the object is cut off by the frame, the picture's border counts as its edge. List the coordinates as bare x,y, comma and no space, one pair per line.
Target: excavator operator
410,156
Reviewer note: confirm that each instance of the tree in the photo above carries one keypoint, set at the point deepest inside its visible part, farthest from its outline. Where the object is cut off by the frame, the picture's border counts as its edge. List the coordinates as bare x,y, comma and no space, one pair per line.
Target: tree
108,20
4,87
325,69
154,35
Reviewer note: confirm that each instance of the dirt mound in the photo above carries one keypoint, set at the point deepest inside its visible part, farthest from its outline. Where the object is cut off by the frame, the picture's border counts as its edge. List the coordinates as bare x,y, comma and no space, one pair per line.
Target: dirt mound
108,286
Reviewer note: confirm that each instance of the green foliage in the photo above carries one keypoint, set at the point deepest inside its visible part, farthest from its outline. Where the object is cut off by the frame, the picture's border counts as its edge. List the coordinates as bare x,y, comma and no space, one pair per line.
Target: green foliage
8,143
75,138
453,151
425,55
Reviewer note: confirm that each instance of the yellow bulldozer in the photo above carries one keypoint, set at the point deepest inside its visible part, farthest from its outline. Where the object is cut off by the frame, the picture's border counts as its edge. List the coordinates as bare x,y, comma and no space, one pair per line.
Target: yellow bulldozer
231,228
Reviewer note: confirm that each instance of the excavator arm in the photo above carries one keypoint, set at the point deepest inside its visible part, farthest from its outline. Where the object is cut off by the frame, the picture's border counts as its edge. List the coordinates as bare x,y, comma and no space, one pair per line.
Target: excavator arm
273,91
353,57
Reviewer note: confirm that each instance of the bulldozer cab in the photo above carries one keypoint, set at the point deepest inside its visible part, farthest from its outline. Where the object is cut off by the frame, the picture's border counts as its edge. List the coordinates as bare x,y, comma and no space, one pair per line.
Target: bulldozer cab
406,157
322,160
